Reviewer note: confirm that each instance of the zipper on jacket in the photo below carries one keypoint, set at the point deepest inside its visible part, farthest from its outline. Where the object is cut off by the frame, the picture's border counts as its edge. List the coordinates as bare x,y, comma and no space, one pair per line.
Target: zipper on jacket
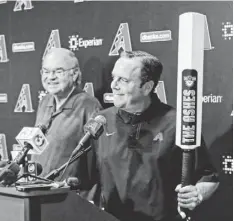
138,130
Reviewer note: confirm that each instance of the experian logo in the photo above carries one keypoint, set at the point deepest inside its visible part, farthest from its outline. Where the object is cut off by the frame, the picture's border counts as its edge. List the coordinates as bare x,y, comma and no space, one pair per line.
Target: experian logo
77,42
155,36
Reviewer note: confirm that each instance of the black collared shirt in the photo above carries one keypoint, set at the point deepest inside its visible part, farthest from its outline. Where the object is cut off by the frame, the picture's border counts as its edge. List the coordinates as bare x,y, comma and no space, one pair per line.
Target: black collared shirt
140,165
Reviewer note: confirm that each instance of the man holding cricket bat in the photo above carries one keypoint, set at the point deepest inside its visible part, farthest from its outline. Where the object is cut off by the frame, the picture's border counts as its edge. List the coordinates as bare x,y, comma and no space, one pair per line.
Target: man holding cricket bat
139,163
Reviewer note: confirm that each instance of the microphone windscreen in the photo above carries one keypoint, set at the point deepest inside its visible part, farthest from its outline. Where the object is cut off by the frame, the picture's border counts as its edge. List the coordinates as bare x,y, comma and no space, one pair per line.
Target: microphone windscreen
8,174
34,168
39,168
14,167
73,182
100,119
9,177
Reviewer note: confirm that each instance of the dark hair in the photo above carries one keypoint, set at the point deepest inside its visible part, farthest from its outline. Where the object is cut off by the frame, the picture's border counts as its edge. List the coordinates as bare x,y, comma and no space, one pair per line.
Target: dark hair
151,66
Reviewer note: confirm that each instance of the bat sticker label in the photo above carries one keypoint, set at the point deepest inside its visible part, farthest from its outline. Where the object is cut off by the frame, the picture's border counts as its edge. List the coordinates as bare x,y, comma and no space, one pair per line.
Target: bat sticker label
189,107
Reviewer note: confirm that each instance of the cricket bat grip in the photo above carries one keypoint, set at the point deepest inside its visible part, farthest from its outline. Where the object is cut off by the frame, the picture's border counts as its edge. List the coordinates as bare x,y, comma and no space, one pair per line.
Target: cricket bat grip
187,173
187,167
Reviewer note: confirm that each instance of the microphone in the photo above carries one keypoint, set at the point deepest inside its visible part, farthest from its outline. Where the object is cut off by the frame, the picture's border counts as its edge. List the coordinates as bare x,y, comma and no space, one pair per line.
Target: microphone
73,182
31,172
33,168
8,173
93,129
33,139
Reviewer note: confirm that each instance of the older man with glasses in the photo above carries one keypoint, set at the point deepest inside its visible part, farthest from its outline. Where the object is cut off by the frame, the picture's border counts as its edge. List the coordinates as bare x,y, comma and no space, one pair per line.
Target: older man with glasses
64,111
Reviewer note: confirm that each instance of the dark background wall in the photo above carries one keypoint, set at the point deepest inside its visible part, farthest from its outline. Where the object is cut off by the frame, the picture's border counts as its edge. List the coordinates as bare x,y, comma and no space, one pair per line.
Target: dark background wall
101,20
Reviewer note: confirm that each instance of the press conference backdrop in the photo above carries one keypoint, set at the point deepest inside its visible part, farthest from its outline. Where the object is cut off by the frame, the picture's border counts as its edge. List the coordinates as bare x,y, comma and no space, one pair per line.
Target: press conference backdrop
96,32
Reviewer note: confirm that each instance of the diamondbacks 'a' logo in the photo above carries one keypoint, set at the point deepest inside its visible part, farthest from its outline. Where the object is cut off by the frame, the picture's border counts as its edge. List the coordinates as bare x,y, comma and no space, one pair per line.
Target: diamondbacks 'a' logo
3,147
20,3
3,51
189,80
24,102
158,137
122,40
53,42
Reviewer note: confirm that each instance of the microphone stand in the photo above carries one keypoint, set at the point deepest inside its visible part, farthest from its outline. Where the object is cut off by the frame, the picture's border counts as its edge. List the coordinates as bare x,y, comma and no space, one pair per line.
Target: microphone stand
55,173
24,175
93,128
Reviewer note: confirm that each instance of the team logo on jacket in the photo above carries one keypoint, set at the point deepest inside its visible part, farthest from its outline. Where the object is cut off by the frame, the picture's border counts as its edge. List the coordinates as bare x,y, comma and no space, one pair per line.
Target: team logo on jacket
158,137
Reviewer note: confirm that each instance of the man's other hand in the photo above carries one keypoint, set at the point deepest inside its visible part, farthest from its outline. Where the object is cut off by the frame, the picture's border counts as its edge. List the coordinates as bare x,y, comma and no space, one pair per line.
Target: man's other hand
188,196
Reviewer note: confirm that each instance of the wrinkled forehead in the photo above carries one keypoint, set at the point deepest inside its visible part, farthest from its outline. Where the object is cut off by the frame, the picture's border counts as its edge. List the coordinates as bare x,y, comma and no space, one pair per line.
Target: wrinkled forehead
58,59
128,67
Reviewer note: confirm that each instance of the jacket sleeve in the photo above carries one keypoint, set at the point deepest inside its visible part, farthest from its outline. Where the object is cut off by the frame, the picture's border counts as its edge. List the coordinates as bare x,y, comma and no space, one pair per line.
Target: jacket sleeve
204,169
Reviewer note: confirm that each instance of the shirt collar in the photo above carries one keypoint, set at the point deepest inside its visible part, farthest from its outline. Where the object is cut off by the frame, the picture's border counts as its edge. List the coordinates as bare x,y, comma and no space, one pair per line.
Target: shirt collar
69,102
147,115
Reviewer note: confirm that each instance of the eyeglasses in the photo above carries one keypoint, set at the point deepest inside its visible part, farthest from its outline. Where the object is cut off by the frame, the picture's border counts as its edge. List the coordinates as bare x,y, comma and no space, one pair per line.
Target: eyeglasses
60,72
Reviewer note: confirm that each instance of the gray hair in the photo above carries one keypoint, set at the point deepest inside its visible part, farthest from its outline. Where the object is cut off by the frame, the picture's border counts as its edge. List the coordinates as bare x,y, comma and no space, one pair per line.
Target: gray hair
70,57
